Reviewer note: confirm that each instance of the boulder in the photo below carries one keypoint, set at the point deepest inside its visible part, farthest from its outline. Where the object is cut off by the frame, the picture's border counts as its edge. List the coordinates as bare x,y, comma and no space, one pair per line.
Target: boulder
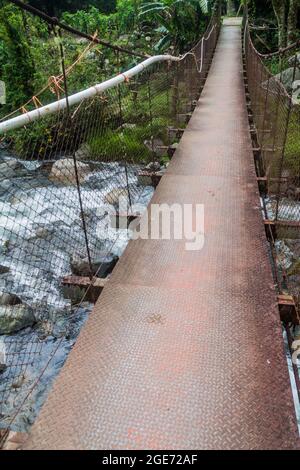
288,78
296,91
113,196
3,368
102,266
291,60
63,171
14,318
7,298
83,153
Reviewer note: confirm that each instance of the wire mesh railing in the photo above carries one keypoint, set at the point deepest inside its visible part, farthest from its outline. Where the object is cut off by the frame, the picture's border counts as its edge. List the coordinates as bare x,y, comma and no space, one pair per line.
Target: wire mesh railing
275,126
59,173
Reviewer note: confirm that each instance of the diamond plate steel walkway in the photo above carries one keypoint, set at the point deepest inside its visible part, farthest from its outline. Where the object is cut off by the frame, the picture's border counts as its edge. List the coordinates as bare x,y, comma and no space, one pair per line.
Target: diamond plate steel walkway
184,349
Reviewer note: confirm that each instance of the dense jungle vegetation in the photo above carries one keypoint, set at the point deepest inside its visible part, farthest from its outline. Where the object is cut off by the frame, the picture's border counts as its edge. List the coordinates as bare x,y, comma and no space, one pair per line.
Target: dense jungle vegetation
30,50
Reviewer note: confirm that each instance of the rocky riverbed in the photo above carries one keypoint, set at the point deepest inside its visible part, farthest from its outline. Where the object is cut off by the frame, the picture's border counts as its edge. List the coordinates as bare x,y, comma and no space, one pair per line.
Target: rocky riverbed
41,241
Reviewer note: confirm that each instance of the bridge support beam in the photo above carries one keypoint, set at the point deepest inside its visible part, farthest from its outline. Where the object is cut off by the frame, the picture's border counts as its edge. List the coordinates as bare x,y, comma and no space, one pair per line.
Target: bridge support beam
92,288
288,309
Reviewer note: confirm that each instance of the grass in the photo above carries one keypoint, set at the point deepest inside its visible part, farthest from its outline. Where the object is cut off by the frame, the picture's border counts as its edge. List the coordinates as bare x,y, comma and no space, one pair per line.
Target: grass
292,150
127,143
115,126
112,146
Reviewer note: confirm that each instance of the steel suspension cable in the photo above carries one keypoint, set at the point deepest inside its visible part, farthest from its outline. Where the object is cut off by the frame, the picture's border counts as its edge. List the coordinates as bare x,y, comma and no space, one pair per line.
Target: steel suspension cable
62,55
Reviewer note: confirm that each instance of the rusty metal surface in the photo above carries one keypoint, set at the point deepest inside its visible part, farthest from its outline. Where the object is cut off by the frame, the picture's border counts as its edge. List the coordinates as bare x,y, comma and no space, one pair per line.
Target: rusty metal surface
184,349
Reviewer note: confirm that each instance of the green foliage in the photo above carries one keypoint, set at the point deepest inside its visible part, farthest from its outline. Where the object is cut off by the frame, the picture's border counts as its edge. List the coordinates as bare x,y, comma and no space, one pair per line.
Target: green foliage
17,66
88,21
123,145
29,55
294,270
180,22
127,11
262,16
292,150
56,7
32,139
128,142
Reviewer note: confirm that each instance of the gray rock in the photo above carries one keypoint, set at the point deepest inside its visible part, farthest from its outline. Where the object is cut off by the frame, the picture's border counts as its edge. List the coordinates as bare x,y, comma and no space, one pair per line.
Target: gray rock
19,382
294,246
291,61
3,368
83,153
43,232
113,196
7,298
128,125
10,169
144,180
297,332
124,37
5,185
153,166
284,254
4,269
14,318
288,78
294,279
296,91
63,171
102,266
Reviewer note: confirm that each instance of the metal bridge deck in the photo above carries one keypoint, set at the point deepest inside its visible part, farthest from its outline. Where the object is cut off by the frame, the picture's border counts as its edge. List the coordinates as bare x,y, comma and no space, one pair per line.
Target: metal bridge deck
184,348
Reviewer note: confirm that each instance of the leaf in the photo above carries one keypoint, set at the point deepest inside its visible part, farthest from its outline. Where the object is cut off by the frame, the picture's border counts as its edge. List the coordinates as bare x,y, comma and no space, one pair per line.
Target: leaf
163,43
151,4
162,29
151,11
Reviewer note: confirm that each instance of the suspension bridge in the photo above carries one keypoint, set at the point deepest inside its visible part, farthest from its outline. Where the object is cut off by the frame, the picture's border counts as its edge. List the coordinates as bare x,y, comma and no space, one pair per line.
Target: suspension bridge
184,349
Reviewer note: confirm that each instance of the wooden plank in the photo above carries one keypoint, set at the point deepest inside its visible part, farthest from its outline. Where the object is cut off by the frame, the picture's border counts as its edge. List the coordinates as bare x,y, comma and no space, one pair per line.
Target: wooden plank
82,281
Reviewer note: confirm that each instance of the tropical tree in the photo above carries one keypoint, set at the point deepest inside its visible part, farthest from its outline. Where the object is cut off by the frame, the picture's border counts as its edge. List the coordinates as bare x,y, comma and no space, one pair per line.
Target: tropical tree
231,10
56,7
287,15
17,65
179,22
